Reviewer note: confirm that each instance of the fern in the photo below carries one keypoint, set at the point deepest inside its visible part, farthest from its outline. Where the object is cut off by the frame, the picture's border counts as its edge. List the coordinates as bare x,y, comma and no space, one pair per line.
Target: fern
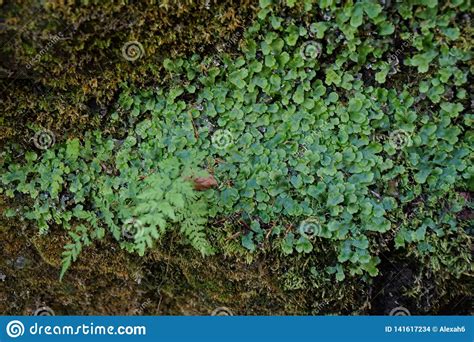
167,199
72,250
193,224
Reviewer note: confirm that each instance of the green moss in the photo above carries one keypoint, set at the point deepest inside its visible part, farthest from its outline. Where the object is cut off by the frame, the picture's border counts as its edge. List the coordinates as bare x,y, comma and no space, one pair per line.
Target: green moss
63,63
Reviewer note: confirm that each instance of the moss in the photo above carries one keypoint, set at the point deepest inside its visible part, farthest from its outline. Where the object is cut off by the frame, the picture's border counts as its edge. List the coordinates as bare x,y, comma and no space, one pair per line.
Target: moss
178,281
173,279
62,63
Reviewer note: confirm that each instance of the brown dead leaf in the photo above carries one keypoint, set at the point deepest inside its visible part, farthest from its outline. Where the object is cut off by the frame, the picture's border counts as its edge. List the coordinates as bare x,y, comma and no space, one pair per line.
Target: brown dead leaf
204,183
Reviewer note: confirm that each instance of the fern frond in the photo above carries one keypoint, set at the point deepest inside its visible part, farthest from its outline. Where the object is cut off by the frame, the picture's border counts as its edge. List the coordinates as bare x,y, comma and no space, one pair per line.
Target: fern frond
165,199
72,250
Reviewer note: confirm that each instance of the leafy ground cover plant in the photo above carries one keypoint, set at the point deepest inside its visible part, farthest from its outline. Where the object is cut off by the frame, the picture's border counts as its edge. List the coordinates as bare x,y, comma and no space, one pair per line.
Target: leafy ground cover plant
308,138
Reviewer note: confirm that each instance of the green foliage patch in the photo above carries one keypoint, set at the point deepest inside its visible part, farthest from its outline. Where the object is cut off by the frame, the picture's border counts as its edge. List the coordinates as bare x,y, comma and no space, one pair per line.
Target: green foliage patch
310,136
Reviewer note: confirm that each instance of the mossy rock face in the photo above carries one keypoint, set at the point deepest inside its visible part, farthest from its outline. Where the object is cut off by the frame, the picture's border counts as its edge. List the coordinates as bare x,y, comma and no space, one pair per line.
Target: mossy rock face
63,63
108,281
69,63
170,280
